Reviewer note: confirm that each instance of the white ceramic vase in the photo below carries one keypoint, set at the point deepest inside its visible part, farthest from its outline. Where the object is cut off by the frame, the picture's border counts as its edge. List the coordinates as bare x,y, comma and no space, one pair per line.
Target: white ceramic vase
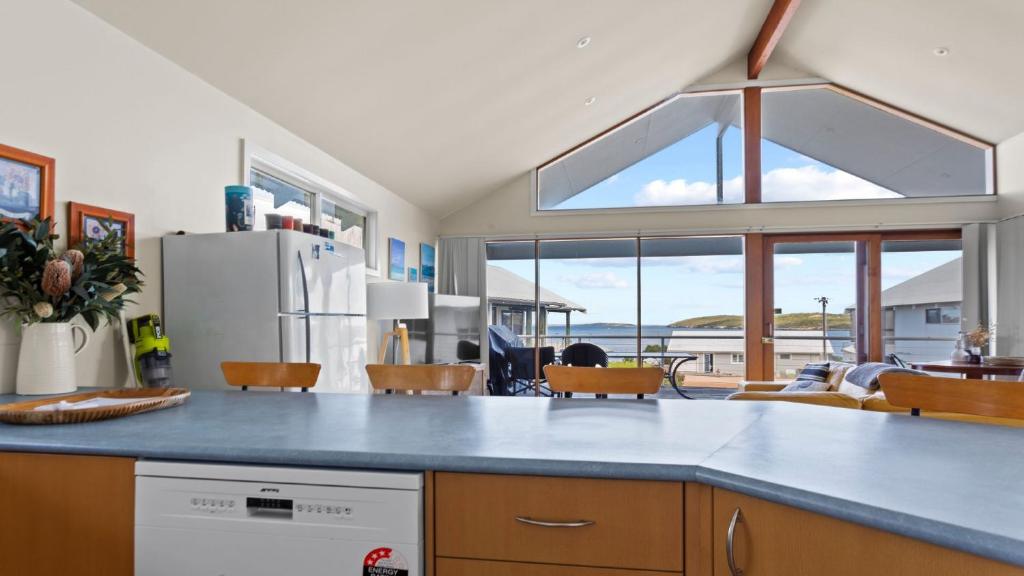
46,361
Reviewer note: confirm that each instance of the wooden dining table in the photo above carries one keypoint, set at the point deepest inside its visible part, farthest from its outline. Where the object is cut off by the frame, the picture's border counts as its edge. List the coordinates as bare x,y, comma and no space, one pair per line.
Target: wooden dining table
977,371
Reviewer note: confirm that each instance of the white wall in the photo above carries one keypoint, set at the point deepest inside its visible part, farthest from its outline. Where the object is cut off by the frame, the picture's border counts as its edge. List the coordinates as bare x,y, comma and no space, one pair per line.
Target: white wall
134,132
1010,240
507,212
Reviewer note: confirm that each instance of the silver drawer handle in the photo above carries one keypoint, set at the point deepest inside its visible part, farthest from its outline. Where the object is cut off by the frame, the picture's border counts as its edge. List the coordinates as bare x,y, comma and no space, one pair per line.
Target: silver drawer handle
546,524
737,517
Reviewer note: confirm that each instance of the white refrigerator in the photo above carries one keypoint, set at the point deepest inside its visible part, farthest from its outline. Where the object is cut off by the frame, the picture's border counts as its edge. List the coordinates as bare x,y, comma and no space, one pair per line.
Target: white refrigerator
275,296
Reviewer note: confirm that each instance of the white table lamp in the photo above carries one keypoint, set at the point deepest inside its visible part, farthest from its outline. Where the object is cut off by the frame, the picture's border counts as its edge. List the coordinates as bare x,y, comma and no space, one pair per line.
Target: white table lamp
397,301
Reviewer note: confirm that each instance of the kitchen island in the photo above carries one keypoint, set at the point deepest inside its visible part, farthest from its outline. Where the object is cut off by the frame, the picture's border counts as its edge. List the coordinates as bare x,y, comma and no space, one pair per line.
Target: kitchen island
956,485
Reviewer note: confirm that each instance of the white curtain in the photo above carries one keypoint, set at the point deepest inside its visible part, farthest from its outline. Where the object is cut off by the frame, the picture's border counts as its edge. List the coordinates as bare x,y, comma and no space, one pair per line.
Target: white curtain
462,267
462,271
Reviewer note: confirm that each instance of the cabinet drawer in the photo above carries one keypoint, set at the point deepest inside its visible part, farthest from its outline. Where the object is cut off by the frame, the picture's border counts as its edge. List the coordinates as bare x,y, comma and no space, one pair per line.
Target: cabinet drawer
629,524
456,567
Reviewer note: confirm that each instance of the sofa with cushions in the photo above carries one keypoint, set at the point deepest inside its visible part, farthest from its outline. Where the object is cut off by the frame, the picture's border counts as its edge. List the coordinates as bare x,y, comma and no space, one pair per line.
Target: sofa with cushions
810,388
838,391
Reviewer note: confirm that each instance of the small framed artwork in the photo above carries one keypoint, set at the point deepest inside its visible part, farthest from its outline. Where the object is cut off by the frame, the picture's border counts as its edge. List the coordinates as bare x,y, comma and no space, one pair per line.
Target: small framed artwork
396,259
26,185
92,223
412,274
427,257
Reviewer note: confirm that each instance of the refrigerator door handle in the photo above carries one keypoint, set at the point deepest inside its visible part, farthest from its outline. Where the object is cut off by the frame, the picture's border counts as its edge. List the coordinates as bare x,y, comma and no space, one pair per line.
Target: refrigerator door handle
305,304
327,314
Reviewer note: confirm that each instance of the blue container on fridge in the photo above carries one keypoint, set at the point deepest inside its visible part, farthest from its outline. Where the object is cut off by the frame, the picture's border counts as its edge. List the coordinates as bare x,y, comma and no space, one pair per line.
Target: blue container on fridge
240,211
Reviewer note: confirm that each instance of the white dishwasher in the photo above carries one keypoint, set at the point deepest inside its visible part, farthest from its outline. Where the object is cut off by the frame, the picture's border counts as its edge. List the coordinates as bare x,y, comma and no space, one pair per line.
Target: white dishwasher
224,520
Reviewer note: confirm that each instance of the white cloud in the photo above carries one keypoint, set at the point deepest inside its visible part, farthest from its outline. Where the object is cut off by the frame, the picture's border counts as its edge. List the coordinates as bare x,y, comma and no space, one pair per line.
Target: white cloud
778,185
596,281
680,192
813,183
712,265
787,261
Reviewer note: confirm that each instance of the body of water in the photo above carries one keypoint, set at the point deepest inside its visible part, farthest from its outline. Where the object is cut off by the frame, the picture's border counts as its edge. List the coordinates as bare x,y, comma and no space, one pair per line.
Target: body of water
613,338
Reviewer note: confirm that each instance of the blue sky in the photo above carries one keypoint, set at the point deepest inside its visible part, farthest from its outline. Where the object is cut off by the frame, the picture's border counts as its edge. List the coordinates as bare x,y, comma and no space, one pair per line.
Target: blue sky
684,174
678,288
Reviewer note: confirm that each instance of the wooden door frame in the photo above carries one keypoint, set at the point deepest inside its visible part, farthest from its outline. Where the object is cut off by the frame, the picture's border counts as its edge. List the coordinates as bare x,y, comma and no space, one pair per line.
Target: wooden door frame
760,282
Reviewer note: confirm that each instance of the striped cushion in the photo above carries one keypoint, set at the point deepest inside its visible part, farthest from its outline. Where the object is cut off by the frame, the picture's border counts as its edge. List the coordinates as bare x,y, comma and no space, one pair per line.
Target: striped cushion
814,372
807,386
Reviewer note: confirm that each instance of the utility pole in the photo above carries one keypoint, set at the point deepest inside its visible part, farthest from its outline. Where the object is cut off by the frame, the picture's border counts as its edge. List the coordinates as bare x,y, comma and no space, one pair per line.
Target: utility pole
824,326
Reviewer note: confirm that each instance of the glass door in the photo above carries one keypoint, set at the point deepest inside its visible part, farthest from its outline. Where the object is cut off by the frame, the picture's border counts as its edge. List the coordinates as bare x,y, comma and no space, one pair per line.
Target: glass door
818,301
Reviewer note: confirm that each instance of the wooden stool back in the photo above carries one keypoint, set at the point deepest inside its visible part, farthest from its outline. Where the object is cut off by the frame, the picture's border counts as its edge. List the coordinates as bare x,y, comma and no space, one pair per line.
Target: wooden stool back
604,381
416,378
993,398
270,374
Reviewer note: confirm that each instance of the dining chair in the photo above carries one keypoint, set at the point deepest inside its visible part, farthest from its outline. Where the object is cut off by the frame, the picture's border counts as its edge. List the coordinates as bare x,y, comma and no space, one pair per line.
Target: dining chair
271,374
417,378
569,380
986,398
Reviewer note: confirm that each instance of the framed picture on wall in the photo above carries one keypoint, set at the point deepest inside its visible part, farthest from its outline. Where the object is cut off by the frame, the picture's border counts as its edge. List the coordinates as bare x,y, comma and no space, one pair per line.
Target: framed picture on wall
26,185
427,257
413,276
91,223
396,259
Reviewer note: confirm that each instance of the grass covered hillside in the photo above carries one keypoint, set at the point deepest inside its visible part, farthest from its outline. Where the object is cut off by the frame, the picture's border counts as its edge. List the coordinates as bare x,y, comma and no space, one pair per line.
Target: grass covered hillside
794,321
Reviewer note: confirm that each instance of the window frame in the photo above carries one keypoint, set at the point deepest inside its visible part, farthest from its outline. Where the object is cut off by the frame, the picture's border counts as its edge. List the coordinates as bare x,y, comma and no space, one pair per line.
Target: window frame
263,160
750,97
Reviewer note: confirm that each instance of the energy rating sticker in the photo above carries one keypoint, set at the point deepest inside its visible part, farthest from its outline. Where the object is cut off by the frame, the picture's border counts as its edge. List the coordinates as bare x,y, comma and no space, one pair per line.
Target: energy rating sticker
385,562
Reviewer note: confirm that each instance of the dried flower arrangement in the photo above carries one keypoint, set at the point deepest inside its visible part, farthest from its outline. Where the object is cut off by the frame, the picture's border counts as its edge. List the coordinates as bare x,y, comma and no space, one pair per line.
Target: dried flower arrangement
93,279
979,337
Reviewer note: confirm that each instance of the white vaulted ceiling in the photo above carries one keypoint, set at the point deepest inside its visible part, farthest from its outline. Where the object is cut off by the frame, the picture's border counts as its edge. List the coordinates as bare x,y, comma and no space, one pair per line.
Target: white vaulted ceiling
885,49
442,101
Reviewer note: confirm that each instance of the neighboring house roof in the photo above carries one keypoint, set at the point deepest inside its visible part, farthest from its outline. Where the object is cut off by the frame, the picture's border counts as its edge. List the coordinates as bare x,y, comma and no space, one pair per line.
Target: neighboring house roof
938,285
506,287
732,341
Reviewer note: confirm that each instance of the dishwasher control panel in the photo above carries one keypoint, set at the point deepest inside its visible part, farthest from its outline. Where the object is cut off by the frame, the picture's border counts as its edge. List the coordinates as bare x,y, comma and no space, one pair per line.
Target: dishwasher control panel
281,508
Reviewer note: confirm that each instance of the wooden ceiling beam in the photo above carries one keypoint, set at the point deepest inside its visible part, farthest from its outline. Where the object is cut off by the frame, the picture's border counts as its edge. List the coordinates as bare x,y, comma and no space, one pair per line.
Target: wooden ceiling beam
771,32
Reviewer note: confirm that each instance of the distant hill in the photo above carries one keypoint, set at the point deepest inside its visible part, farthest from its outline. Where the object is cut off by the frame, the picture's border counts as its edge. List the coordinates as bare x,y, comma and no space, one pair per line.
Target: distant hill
794,321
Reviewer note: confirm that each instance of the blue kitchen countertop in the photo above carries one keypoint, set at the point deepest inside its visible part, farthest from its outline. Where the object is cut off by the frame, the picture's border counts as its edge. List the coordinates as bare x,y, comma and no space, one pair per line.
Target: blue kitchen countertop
954,484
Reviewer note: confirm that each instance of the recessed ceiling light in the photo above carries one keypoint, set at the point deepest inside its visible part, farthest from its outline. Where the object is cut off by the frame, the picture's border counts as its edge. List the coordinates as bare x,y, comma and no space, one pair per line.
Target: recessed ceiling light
583,42
590,101
941,51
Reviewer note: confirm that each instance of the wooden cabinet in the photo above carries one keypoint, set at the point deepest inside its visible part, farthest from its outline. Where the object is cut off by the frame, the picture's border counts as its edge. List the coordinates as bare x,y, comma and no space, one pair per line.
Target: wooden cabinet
63,515
775,540
608,524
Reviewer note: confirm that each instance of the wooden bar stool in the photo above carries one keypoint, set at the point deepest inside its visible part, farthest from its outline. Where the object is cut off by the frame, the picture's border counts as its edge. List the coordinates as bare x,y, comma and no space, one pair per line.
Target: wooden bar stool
604,381
982,398
392,378
271,374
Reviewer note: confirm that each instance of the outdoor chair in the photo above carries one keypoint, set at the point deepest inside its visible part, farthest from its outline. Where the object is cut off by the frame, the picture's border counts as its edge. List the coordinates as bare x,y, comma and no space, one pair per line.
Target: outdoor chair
524,369
584,354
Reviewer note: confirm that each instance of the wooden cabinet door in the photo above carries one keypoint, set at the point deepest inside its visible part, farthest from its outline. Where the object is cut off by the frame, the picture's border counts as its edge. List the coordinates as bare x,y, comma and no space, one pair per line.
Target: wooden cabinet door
63,515
776,540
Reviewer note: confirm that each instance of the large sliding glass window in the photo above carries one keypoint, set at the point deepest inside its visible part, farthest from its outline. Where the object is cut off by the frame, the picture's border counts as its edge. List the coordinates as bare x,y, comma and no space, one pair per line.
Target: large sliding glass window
686,151
823,144
589,294
511,288
692,299
819,304
922,293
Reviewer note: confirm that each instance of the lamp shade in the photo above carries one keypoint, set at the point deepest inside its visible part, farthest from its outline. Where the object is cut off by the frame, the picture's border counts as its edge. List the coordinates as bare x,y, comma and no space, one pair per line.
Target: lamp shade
397,301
